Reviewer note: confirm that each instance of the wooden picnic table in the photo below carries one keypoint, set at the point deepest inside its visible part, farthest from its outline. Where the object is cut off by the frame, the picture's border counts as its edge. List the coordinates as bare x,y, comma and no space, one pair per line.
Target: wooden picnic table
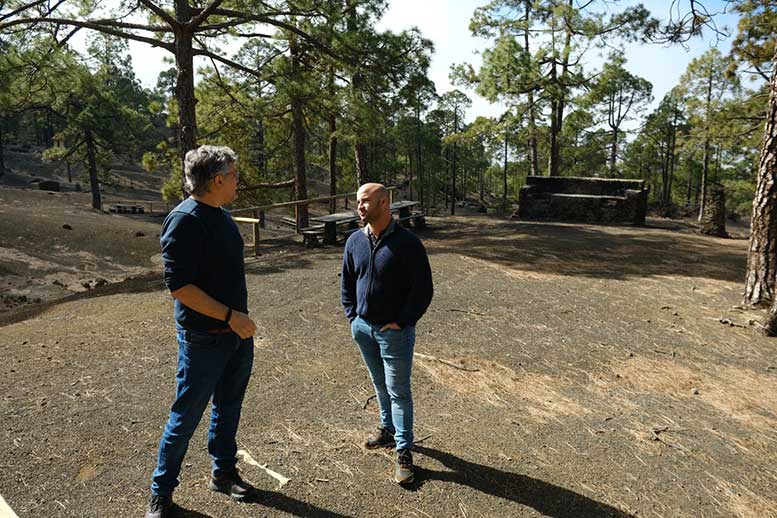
404,207
331,221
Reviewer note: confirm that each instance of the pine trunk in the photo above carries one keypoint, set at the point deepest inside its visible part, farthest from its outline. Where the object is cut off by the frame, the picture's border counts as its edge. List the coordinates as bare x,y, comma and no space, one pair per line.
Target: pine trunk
92,162
419,168
762,252
184,93
298,132
2,150
332,161
360,156
534,168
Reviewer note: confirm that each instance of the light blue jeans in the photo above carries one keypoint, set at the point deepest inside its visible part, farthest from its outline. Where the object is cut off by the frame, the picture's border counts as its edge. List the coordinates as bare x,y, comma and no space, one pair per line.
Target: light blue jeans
388,356
209,366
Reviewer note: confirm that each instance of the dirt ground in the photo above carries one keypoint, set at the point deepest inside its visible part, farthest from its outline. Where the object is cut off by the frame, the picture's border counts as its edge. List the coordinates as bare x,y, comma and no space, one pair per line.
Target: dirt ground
567,371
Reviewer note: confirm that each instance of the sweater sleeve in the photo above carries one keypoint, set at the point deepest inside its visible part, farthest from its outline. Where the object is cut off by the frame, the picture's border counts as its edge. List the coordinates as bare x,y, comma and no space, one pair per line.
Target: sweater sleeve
348,284
421,287
182,243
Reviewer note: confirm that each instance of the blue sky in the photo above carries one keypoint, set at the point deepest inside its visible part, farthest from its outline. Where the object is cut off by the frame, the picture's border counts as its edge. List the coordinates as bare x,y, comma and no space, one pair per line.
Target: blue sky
446,23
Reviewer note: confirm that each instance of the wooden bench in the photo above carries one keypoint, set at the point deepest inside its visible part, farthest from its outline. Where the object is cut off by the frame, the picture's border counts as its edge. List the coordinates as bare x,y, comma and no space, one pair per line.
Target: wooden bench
416,217
311,235
123,208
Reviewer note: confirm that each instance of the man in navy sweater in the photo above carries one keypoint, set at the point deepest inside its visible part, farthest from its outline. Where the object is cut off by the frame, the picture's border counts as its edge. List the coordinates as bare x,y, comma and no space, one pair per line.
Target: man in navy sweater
202,251
386,286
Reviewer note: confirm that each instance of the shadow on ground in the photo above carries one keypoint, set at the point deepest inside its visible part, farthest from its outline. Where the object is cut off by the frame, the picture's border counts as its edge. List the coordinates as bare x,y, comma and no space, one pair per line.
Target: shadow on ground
545,498
662,248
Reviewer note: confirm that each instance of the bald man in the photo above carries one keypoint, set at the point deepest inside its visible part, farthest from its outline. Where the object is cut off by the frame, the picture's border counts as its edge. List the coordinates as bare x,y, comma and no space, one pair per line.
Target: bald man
386,287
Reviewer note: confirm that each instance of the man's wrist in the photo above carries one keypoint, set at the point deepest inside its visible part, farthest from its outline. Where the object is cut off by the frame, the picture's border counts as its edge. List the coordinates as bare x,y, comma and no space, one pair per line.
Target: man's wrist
229,315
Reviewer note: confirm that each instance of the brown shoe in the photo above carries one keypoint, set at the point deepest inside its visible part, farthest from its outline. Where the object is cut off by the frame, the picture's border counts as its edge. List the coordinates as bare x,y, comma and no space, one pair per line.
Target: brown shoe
382,438
403,471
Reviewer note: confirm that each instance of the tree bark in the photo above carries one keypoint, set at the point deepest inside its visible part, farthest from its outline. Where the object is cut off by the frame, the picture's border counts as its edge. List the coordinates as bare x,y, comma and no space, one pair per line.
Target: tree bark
419,168
672,160
184,85
453,163
332,161
504,178
534,168
2,149
706,168
298,131
360,156
614,152
762,251
92,161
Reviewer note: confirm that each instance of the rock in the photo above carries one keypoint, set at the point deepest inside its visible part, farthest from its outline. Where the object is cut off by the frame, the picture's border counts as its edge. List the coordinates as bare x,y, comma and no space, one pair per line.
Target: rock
67,227
140,233
695,391
100,282
86,285
58,283
48,185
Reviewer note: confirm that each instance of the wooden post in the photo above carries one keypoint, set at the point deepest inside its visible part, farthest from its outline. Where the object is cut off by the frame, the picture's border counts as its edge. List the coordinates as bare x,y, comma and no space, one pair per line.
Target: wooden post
256,237
296,218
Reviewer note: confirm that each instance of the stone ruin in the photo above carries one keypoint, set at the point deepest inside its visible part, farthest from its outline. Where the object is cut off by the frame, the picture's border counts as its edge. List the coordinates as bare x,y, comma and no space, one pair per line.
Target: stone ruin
595,200
713,218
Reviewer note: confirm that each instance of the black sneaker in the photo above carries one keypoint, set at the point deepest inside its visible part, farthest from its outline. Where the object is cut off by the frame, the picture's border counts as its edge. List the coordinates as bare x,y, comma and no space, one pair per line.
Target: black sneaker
231,484
382,438
159,506
403,472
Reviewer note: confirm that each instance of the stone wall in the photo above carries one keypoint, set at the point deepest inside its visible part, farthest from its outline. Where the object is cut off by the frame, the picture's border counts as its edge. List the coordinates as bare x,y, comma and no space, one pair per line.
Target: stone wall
604,200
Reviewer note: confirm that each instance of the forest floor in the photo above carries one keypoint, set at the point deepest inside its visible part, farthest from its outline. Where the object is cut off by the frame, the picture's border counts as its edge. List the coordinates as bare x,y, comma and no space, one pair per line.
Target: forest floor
564,370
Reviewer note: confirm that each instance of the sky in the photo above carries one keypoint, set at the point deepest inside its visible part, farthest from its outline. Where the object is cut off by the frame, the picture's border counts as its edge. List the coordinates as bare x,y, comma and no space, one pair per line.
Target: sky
446,23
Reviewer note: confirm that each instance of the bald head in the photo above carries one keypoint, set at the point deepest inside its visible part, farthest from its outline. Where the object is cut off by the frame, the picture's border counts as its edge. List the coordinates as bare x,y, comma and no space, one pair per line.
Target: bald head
376,191
373,206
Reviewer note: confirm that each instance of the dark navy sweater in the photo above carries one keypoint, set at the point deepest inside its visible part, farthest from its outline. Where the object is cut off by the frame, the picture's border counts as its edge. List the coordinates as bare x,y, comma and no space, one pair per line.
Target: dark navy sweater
388,282
201,245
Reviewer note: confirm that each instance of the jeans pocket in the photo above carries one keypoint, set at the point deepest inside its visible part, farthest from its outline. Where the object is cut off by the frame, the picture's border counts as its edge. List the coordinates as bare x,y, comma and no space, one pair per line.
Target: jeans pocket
199,338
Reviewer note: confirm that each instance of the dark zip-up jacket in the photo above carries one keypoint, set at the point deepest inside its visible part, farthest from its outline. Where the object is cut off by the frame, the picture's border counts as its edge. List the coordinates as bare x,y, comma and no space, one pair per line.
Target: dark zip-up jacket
390,281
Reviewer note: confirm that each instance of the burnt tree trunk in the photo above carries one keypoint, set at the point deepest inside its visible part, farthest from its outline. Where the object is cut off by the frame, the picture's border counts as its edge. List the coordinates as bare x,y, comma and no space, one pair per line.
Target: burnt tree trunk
706,168
184,86
553,166
332,145
2,150
298,131
504,178
333,162
762,251
360,156
92,162
453,163
534,168
419,168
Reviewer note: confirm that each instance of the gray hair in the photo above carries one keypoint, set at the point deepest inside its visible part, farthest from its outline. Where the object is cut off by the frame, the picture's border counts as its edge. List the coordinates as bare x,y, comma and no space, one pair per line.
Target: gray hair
204,163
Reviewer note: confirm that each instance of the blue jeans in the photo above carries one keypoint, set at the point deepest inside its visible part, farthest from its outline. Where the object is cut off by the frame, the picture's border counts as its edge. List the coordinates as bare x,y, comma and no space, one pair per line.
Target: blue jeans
388,356
216,366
